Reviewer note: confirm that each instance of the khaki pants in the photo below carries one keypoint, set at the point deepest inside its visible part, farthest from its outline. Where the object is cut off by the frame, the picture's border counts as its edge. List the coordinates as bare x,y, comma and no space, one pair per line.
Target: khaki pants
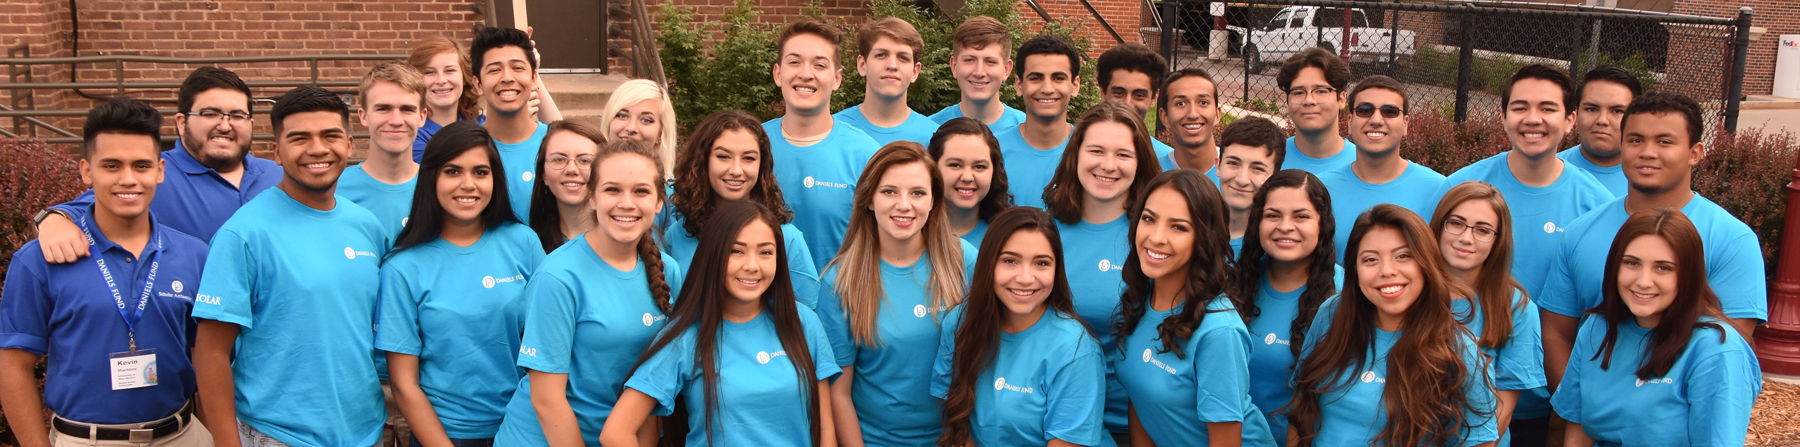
397,433
192,435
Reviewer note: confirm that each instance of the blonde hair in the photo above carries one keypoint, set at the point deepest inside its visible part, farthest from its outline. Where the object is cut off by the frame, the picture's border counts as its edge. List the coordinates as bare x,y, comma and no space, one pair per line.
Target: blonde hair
639,90
859,260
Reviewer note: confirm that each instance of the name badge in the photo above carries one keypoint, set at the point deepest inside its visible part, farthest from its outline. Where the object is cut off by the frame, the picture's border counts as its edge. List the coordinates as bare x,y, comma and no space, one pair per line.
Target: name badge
133,369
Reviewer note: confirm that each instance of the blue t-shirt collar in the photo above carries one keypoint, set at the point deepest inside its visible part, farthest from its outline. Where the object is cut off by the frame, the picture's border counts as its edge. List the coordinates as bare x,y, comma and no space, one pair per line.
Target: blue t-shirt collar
102,244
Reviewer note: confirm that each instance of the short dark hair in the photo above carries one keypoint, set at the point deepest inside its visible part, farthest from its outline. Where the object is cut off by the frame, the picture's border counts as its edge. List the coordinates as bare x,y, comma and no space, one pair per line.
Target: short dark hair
1614,74
1133,57
307,98
1047,44
496,37
208,78
1256,132
809,25
1384,83
1162,101
120,115
1545,72
1337,73
1667,102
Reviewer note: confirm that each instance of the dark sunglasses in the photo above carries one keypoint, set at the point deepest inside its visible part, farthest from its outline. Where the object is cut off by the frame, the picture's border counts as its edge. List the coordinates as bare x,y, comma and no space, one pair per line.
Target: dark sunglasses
1366,110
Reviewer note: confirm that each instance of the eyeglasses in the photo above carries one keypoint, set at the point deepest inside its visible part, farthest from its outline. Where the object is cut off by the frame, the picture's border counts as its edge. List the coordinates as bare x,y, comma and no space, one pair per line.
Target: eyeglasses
212,114
1366,110
1315,91
1457,227
560,161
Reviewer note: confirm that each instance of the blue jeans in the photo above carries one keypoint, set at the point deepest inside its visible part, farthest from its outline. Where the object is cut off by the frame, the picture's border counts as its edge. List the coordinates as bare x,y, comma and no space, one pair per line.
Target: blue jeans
487,442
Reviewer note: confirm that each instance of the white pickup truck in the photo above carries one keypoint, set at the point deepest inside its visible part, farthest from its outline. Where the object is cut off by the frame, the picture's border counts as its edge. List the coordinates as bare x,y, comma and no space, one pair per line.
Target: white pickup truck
1300,27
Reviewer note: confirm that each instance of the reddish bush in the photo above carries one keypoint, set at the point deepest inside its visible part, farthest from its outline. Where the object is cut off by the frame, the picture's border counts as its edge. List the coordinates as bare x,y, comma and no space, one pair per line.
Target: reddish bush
33,175
1746,174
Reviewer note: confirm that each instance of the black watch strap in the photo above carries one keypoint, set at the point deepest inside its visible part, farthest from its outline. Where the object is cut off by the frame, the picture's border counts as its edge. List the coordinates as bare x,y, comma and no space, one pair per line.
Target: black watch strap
41,215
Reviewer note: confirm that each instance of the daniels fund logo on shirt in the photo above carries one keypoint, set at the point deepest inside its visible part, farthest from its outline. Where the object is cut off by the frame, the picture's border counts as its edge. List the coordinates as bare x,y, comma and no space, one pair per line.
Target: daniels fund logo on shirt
1151,359
1550,227
1107,264
1369,376
1000,384
350,253
919,311
650,320
764,357
1271,339
809,182
1665,380
489,281
526,176
175,289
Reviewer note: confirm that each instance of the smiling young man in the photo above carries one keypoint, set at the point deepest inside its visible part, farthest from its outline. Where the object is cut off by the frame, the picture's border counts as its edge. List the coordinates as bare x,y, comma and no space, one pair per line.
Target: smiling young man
1312,84
820,157
887,56
102,326
1251,150
1543,194
981,60
1378,121
1659,149
1048,70
1605,93
213,171
1189,106
1133,74
393,109
289,291
506,72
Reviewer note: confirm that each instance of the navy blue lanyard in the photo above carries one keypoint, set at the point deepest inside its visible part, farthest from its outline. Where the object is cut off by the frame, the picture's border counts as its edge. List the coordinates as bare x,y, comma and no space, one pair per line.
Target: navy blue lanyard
112,286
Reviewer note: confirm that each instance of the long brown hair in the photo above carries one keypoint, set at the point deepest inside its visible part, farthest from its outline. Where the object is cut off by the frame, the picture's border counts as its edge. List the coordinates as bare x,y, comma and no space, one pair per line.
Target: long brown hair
1064,196
859,259
1694,299
546,215
647,250
1426,393
1321,270
694,197
469,105
978,338
1495,285
702,304
1206,269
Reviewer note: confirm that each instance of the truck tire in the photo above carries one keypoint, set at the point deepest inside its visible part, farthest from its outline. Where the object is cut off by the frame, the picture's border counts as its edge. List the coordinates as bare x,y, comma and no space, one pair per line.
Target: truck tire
1253,60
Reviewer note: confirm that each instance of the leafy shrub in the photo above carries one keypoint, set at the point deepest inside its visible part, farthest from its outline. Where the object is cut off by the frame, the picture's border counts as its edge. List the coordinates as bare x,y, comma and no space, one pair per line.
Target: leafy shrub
33,175
1747,174
732,72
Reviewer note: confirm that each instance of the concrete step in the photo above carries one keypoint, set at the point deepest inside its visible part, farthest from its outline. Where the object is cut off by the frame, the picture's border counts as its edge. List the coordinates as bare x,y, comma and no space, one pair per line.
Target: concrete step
581,91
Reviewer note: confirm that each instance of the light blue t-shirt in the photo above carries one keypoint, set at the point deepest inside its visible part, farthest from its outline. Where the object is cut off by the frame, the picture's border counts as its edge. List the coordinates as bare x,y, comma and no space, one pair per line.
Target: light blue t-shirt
1209,382
472,299
392,204
892,389
1167,160
1611,177
1539,215
1318,166
1048,383
1028,169
977,234
761,402
302,285
1519,363
1162,149
1271,357
1009,117
519,160
1096,260
917,128
801,272
1704,399
819,182
590,321
1344,413
1416,189
1734,262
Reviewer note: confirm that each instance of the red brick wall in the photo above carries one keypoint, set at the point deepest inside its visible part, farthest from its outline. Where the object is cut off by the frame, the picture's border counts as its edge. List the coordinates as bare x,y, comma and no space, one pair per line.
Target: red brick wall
1125,16
1779,16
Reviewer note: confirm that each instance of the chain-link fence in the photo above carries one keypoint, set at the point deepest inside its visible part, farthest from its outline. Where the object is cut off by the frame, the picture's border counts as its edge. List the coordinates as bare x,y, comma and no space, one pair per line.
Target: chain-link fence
1454,59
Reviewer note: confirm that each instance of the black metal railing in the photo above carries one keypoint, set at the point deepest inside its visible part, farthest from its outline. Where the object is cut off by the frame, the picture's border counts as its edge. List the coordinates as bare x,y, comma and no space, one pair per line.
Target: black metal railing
1455,58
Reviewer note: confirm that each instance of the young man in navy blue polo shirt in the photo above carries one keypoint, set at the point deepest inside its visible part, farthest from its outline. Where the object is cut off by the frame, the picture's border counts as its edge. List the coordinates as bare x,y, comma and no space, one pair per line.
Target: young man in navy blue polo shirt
211,170
290,288
114,327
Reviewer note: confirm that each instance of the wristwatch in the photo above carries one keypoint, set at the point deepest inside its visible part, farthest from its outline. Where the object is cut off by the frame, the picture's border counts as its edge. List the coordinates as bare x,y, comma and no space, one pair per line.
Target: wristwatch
41,215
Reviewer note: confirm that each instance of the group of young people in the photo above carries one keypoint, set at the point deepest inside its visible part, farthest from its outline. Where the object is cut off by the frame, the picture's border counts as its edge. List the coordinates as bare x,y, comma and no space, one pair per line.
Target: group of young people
980,276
